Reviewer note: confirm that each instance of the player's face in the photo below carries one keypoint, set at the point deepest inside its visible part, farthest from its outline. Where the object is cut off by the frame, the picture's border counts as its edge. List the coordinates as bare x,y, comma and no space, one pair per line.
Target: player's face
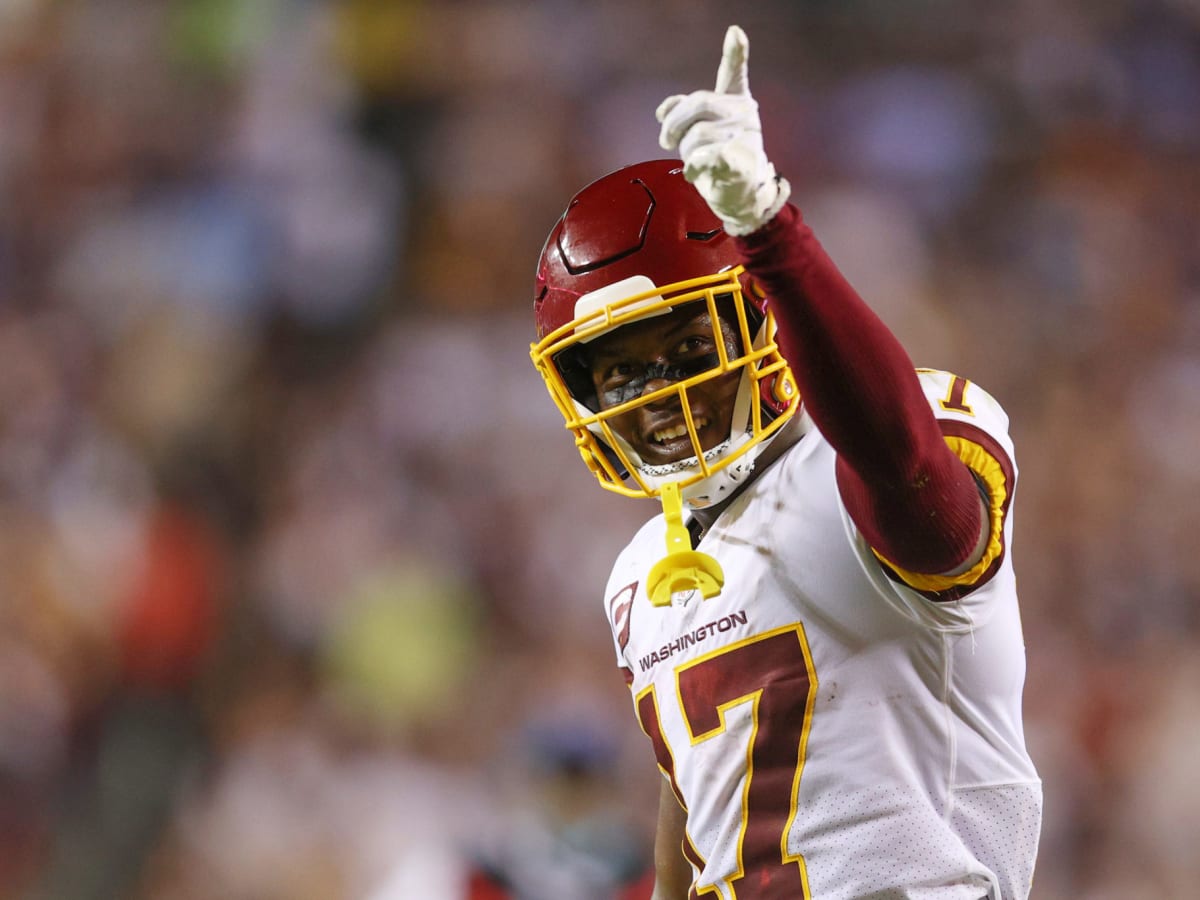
647,356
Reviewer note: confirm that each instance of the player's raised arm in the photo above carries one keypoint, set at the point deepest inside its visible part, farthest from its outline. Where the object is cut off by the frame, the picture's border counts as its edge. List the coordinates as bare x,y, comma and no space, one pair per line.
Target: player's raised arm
913,499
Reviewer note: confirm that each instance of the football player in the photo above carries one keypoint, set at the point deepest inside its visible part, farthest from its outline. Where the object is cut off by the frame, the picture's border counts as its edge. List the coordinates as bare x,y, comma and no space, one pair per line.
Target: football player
820,630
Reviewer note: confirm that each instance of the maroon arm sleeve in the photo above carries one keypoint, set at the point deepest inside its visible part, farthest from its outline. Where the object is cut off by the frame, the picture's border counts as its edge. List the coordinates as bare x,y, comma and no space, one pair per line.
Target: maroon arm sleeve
912,498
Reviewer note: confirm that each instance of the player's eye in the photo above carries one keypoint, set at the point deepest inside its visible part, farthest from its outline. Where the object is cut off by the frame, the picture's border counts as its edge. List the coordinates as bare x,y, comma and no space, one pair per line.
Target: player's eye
618,372
694,344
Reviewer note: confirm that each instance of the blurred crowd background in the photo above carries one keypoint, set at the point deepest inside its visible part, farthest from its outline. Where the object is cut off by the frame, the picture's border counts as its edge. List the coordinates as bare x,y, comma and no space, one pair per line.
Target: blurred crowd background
300,575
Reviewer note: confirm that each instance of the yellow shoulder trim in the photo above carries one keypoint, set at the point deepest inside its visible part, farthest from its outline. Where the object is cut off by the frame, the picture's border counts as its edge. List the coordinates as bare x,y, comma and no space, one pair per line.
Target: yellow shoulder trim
988,468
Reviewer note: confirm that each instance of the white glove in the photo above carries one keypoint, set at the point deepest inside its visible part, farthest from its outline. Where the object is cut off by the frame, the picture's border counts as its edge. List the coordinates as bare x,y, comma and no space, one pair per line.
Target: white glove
719,138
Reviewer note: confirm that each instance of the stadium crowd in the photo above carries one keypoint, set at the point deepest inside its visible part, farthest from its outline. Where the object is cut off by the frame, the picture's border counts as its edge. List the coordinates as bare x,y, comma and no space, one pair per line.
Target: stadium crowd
295,598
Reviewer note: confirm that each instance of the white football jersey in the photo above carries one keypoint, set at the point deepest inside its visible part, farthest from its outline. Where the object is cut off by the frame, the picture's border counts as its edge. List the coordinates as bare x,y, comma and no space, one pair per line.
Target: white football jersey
832,731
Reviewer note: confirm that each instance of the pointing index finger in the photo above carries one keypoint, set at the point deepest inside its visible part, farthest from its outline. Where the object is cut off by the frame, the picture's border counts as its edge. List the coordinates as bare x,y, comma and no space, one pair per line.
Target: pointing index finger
732,75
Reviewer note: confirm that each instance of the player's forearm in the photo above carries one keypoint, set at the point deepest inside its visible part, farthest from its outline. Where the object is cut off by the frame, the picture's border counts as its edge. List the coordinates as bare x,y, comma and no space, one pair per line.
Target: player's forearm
912,498
673,873
856,380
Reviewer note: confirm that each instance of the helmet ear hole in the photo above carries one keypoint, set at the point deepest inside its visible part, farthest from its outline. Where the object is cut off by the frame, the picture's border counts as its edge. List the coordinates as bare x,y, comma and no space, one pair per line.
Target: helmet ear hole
776,393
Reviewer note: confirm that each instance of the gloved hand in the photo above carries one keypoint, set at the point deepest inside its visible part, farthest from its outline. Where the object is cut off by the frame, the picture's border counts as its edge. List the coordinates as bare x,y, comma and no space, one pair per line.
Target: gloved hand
719,138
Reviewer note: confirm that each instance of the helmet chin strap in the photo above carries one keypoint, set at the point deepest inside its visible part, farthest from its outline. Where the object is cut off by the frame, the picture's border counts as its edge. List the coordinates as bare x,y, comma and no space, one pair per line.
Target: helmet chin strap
717,486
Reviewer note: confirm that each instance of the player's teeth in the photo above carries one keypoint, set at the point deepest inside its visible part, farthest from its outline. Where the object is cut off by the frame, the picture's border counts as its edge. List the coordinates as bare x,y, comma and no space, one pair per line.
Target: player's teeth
678,431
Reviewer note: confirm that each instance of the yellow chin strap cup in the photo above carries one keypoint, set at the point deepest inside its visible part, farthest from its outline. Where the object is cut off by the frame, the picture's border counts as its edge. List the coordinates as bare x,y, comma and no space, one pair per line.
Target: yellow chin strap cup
682,569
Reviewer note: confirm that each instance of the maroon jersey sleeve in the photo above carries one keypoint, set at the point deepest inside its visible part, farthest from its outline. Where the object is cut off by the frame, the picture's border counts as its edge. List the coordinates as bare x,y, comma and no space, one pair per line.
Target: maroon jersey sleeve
909,494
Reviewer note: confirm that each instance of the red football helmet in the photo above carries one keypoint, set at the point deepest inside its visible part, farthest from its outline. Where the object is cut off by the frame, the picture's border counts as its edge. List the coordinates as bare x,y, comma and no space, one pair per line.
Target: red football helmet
636,244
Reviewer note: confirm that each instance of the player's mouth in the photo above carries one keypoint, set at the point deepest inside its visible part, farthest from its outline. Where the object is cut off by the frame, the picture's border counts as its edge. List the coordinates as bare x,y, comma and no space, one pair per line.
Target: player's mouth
672,442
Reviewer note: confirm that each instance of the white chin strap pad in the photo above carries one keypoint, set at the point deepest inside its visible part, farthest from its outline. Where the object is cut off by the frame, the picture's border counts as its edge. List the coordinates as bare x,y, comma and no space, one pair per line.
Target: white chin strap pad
717,486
